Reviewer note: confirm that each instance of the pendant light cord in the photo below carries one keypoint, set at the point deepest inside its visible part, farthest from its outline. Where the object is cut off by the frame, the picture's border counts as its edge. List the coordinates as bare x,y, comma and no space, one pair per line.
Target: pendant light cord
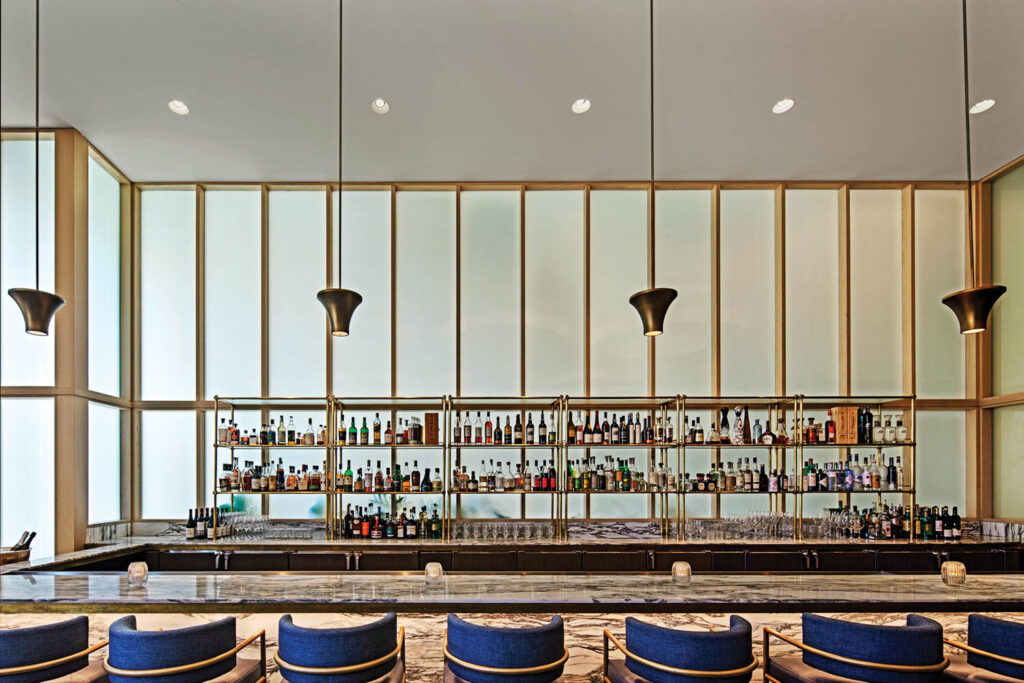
967,129
341,98
37,144
651,19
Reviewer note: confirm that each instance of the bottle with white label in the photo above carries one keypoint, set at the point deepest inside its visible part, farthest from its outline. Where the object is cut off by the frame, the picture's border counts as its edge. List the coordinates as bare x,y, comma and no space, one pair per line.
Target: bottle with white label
901,431
877,432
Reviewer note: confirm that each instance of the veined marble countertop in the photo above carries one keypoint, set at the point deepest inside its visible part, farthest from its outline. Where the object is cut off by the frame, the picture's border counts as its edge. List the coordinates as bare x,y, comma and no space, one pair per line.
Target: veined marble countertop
368,592
139,543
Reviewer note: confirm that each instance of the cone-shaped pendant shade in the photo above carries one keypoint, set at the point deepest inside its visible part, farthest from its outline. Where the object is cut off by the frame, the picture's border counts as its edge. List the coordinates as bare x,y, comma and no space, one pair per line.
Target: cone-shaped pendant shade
38,307
652,305
972,306
340,305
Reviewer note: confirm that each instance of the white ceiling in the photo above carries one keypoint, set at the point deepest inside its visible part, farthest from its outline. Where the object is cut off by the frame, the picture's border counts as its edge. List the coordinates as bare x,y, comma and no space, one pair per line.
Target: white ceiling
480,89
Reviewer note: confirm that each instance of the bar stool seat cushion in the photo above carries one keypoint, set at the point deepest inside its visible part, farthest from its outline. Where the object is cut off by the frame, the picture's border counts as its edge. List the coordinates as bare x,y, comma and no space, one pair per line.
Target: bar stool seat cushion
505,648
919,643
334,647
1000,637
698,650
960,670
142,650
37,644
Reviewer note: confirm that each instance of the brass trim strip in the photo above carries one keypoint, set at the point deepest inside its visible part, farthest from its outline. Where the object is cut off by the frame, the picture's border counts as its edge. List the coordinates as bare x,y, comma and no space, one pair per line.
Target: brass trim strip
184,668
967,648
39,666
337,670
504,672
696,673
907,668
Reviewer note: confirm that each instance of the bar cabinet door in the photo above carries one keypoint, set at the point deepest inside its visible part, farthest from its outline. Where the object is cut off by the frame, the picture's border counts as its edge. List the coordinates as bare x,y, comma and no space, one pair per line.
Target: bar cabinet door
320,561
700,561
188,560
492,561
991,560
384,560
728,561
846,560
255,561
777,561
549,561
442,557
911,561
615,561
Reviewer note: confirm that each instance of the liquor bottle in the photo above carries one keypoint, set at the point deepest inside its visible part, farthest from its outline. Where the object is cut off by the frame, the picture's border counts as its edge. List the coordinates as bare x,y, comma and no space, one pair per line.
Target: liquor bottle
889,434
272,434
499,437
529,428
478,429
190,527
877,432
376,429
364,434
606,431
488,430
473,484
456,430
899,474
941,523
747,436
264,484
954,522
773,481
222,432
542,430
389,434
588,433
425,484
264,437
552,477
830,428
290,432
508,431
353,433
517,431
467,430
308,437
901,431
436,482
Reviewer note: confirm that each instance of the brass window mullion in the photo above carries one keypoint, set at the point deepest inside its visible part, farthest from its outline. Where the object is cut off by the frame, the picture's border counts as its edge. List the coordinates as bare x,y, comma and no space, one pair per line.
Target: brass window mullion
199,198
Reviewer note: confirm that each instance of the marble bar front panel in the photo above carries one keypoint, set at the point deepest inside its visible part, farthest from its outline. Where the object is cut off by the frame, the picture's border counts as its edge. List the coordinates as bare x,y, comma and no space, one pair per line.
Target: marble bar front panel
505,593
424,632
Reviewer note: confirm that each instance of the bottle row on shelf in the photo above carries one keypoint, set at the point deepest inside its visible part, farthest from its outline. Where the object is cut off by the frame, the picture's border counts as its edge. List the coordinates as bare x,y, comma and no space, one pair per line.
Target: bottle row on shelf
618,430
885,522
377,526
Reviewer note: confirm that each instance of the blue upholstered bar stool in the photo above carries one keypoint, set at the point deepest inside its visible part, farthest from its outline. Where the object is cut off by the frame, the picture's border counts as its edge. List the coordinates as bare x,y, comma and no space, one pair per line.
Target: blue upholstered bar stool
184,655
664,655
838,651
359,654
486,654
995,652
52,652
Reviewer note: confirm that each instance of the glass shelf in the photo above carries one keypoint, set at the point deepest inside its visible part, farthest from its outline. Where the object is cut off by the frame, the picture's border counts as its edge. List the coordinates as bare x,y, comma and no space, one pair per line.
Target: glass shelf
618,446
499,493
296,446
265,493
389,493
510,446
381,446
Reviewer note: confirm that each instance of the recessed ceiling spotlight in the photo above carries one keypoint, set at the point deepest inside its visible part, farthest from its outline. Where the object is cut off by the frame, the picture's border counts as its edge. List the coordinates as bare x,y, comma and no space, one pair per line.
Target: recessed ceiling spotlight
984,105
782,106
380,106
178,107
581,106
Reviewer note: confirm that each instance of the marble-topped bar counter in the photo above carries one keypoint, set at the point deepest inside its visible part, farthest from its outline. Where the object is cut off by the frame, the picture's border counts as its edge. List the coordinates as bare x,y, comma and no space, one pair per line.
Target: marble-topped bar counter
504,593
136,544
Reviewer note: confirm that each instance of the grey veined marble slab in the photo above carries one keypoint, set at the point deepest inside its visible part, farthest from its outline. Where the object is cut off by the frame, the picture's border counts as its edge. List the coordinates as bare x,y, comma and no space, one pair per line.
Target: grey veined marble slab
223,592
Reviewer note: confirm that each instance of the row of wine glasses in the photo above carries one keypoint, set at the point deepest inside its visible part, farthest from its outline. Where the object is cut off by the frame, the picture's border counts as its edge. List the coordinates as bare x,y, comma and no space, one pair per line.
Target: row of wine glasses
504,530
754,525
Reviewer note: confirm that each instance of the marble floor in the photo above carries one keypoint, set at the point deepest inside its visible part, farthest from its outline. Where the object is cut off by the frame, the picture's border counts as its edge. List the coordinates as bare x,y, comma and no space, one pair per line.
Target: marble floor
424,631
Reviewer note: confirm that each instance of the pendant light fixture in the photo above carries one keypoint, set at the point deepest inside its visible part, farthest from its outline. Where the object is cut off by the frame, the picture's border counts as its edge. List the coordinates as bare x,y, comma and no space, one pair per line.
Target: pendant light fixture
37,307
339,303
652,304
971,306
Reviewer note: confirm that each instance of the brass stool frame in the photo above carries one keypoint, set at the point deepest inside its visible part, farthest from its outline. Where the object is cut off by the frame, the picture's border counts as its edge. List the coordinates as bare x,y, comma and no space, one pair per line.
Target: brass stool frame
399,651
41,666
185,668
903,668
696,673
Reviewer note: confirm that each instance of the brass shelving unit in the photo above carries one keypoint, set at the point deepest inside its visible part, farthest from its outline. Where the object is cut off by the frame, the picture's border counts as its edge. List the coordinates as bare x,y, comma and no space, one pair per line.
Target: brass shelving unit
783,457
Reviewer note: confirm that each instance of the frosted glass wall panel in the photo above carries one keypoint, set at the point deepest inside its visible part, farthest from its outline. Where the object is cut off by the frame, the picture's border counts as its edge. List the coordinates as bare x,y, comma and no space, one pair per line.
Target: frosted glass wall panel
1008,314
169,295
233,293
362,361
490,258
168,463
618,268
683,261
104,463
104,281
941,457
425,281
812,291
298,324
748,291
554,292
939,269
1007,473
25,359
488,506
27,471
876,316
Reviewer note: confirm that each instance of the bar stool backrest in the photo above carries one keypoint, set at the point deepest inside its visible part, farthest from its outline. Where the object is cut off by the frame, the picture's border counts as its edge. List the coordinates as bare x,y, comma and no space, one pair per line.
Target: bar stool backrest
146,650
36,644
506,648
335,647
919,643
1000,637
697,650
